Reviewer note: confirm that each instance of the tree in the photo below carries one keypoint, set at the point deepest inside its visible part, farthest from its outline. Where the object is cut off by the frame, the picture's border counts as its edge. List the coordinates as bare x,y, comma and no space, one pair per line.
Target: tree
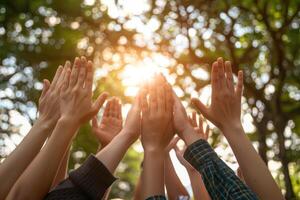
181,38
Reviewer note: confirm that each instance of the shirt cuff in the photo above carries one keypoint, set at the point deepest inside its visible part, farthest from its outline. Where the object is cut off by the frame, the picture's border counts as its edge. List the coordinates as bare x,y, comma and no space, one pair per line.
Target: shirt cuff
92,177
198,153
157,197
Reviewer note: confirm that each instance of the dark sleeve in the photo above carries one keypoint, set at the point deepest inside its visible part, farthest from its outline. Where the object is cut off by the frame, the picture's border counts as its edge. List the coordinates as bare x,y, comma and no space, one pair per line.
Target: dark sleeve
89,181
220,181
158,197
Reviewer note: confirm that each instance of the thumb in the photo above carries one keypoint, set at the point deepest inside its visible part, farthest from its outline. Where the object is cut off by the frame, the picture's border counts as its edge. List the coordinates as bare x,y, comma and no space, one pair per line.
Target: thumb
94,122
46,86
201,107
99,102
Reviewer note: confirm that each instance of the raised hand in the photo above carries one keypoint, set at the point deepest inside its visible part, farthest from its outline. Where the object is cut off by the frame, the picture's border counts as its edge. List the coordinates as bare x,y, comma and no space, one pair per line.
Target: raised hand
76,93
224,112
157,128
198,126
225,108
31,145
182,124
157,131
49,100
111,122
112,154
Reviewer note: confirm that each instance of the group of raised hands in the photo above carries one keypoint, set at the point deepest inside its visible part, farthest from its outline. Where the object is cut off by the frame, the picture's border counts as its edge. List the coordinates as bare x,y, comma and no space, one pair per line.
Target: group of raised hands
36,169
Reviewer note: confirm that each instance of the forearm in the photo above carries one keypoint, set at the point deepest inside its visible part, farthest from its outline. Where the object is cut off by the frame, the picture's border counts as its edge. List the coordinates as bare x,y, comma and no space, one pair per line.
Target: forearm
217,176
23,155
63,169
258,178
112,154
198,186
138,189
172,181
153,174
29,185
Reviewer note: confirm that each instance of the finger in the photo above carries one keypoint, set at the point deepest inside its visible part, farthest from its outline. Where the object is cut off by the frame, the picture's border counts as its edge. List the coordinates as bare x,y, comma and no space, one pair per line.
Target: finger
191,120
173,143
194,118
239,87
229,77
56,76
144,102
214,79
106,109
46,86
114,109
201,107
88,85
169,98
95,122
201,123
66,80
75,71
206,135
161,100
119,115
152,99
99,102
61,78
81,76
221,73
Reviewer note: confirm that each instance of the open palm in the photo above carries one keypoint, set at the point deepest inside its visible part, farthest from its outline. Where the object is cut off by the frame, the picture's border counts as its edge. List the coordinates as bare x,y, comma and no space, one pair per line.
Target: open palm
111,123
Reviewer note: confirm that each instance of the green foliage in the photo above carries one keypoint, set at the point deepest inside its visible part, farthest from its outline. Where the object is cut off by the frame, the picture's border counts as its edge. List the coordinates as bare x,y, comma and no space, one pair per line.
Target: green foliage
259,37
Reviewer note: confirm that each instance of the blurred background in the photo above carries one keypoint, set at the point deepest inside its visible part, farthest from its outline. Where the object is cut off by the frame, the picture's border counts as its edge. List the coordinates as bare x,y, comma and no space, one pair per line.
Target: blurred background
129,40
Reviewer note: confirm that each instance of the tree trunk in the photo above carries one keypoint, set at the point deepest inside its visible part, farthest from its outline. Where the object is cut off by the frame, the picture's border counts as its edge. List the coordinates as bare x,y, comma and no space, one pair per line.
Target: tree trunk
290,194
262,147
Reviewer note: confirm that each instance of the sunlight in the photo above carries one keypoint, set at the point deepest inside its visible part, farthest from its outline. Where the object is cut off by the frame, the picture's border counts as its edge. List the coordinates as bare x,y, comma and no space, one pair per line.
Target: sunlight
138,73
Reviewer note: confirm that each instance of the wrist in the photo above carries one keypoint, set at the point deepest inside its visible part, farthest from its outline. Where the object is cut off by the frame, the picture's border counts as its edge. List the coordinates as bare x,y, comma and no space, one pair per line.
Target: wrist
131,136
154,150
46,122
128,137
189,135
69,122
232,129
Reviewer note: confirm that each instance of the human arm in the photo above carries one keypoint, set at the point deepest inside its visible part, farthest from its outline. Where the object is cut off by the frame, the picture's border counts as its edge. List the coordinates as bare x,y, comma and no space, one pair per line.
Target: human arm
27,150
174,187
219,179
62,171
197,184
76,107
138,189
156,134
109,127
224,112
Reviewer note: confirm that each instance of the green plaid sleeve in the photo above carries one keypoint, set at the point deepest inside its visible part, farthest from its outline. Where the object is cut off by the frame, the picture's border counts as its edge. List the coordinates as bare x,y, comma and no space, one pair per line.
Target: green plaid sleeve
158,197
220,181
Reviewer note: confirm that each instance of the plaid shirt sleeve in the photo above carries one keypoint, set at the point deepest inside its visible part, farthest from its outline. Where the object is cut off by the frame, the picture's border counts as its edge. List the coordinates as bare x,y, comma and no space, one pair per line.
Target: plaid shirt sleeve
220,181
158,197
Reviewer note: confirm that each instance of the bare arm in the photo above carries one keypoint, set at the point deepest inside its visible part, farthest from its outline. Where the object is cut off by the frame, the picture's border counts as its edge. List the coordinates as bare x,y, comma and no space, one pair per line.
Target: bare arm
62,170
76,108
156,135
138,189
199,189
112,153
31,145
224,112
173,184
